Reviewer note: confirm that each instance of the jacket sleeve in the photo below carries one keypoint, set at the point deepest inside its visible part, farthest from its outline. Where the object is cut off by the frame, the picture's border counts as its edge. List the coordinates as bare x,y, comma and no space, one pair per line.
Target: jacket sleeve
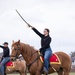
6,53
37,32
2,47
46,44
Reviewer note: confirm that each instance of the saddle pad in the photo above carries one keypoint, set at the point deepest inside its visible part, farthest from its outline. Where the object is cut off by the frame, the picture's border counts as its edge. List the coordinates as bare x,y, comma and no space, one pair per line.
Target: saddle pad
54,59
10,64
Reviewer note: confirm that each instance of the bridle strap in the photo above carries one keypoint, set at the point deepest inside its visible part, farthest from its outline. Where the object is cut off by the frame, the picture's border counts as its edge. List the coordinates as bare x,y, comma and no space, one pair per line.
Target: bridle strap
16,56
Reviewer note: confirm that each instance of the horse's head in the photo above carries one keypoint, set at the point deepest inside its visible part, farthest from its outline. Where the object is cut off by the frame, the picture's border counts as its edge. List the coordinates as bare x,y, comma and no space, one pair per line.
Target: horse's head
16,49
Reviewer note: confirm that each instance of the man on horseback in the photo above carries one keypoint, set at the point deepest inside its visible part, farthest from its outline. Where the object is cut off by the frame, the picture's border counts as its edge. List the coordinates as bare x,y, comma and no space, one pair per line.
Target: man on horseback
45,46
5,57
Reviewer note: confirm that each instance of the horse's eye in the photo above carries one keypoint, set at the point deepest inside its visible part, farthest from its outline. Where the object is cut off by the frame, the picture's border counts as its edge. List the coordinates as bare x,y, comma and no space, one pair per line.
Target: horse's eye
15,49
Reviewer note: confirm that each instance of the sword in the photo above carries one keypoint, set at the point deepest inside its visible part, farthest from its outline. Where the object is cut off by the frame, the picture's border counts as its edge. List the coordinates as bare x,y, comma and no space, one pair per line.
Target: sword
23,19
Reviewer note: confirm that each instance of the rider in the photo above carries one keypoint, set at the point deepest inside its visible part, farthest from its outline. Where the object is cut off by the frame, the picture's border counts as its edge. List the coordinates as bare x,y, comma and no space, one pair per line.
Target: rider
45,46
5,57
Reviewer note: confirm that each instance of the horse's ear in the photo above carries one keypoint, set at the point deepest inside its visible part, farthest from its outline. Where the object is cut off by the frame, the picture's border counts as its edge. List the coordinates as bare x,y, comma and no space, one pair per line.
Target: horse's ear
18,41
12,41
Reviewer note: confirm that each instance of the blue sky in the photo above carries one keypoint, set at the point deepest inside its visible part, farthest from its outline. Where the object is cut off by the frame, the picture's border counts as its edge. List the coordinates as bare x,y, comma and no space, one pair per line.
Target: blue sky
57,15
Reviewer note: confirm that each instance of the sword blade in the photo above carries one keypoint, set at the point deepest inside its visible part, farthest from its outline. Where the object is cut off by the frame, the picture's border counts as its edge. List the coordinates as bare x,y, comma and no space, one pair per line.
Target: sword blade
22,18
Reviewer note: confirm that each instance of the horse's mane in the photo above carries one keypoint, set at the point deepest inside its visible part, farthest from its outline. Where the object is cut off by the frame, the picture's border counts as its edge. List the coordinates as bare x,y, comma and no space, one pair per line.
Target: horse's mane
29,49
26,48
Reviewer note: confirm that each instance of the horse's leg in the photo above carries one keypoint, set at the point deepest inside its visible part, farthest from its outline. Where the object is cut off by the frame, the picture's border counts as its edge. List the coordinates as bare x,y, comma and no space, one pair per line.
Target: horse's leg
60,72
38,73
22,74
66,72
32,74
5,74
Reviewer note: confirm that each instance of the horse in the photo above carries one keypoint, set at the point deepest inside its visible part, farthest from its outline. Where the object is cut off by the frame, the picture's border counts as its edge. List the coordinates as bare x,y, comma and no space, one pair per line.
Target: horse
34,63
18,66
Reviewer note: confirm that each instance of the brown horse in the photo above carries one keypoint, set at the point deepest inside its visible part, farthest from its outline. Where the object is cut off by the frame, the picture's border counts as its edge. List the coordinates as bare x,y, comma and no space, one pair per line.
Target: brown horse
19,66
34,64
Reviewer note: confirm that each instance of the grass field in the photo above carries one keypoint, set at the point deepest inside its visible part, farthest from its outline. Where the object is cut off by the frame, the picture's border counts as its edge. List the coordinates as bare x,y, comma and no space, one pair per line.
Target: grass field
73,73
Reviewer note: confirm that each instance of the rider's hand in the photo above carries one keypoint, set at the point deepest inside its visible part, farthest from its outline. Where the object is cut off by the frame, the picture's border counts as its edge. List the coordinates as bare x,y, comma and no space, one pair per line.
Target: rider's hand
30,26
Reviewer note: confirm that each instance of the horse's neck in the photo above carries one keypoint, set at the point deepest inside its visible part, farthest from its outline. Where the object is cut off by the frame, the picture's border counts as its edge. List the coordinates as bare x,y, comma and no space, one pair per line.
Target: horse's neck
28,53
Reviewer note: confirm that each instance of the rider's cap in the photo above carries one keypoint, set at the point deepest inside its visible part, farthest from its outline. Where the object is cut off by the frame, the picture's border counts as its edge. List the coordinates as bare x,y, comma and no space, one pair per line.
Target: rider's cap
5,43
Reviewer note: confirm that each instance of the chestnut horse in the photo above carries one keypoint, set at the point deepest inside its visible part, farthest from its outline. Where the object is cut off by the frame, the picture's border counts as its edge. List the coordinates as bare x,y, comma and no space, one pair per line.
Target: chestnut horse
19,66
33,62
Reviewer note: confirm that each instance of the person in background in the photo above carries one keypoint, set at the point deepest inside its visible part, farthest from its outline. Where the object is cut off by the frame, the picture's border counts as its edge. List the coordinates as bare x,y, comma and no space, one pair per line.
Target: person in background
45,46
5,57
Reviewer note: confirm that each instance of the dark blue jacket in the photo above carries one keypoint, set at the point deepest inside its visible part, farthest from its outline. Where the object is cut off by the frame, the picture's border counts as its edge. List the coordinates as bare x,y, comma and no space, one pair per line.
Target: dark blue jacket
6,51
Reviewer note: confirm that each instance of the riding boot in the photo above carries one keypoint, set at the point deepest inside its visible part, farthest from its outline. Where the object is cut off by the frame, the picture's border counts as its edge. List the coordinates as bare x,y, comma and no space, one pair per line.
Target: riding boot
45,71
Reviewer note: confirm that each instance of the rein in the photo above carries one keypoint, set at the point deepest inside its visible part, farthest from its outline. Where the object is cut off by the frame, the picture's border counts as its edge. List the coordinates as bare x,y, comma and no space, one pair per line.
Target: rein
16,56
29,65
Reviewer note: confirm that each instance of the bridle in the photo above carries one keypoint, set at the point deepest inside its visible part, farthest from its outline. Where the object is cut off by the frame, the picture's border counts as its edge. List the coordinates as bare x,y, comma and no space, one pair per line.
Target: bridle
16,49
